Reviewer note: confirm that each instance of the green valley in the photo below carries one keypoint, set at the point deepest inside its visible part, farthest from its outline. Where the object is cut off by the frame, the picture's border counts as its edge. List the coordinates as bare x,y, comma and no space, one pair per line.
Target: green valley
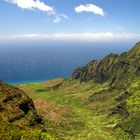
100,101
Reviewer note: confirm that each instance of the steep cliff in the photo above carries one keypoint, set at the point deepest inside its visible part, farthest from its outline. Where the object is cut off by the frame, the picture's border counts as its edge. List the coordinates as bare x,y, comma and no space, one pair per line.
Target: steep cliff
121,99
18,116
16,107
114,68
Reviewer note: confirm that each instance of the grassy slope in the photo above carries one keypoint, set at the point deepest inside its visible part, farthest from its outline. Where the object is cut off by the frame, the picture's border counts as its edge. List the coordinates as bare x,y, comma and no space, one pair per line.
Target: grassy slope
15,124
70,115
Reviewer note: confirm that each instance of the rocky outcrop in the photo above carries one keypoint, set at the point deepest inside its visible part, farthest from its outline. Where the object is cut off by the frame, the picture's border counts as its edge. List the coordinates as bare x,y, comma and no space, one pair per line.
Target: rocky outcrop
16,107
114,68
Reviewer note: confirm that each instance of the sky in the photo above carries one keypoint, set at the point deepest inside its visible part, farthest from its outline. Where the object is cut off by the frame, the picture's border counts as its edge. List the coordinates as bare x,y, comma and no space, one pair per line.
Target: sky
91,20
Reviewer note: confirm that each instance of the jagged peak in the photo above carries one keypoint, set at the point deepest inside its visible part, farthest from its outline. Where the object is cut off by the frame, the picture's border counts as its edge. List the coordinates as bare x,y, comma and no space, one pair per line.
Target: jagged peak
135,51
112,68
138,43
111,55
136,46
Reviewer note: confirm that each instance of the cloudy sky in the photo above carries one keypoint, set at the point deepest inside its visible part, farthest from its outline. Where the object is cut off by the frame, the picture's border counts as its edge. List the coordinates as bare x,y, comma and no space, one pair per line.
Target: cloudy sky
70,19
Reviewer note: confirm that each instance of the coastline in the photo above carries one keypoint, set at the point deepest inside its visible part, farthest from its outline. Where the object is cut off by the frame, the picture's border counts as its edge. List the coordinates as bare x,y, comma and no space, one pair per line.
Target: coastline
33,81
27,82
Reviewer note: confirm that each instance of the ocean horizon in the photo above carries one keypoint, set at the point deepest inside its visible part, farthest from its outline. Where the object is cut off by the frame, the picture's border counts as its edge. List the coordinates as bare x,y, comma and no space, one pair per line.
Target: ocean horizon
37,62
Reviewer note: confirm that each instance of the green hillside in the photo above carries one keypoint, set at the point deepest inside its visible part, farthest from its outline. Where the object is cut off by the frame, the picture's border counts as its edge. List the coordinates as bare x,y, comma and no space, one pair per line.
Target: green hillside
101,101
87,110
118,69
18,117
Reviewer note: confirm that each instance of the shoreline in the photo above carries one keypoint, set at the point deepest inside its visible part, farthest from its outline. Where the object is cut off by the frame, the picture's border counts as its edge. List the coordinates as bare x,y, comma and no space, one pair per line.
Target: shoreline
32,81
28,82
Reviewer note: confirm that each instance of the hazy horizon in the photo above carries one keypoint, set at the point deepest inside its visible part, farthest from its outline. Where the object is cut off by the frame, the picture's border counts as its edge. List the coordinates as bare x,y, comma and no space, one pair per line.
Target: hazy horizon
44,61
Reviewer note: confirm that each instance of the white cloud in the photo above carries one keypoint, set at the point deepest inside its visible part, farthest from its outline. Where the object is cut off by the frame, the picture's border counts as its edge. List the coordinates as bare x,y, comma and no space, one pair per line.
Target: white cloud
58,18
100,36
32,4
39,5
90,8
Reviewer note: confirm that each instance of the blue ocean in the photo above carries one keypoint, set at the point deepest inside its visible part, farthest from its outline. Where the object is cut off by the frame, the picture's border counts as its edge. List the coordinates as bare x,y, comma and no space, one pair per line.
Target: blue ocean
22,62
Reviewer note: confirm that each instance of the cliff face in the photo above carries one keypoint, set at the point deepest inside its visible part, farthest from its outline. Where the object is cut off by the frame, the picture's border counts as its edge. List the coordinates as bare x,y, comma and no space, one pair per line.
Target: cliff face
114,68
122,97
16,107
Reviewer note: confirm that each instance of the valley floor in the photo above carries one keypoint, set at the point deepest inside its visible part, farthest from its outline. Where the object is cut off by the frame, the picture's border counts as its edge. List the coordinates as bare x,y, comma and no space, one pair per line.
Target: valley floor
71,112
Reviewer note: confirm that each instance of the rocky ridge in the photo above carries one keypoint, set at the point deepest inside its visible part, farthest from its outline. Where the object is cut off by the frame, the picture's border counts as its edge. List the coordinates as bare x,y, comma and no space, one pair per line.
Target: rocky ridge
115,68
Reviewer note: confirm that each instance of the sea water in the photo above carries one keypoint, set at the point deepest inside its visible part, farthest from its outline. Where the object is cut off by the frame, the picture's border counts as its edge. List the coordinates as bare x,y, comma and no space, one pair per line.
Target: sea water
40,61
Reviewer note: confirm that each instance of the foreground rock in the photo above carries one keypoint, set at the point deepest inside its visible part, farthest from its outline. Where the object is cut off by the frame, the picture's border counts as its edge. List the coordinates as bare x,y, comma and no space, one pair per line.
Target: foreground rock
16,107
18,117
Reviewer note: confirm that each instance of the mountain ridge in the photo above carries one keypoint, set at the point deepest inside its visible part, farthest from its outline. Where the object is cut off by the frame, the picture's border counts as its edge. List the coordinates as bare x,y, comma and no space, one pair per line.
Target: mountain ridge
114,68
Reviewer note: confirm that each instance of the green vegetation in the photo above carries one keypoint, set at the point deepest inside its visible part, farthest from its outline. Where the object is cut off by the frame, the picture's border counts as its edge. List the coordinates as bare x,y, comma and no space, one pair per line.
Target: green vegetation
101,101
120,70
87,110
66,110
18,117
12,132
